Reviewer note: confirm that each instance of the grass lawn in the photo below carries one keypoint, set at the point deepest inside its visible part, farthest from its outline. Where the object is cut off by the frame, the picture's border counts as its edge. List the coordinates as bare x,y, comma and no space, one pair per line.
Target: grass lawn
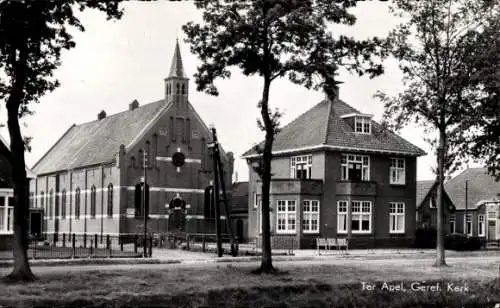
295,286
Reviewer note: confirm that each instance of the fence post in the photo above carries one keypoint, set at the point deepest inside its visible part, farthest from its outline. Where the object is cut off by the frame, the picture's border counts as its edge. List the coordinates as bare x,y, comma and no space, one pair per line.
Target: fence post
203,243
64,240
108,245
150,246
95,241
85,240
120,238
73,244
187,241
136,239
91,247
33,247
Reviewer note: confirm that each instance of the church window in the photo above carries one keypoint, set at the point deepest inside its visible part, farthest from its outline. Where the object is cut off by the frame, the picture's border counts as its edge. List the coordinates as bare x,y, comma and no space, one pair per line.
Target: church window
149,158
140,159
183,89
92,202
32,199
138,200
155,150
178,89
187,133
132,162
51,203
172,129
77,203
179,129
63,204
110,200
42,199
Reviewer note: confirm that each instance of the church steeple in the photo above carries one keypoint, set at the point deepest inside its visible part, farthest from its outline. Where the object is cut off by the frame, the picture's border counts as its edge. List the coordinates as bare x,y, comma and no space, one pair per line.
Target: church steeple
176,84
177,69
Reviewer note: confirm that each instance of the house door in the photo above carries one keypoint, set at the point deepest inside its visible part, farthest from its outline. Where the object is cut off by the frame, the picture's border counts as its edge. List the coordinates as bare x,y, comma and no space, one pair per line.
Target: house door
492,230
239,230
36,224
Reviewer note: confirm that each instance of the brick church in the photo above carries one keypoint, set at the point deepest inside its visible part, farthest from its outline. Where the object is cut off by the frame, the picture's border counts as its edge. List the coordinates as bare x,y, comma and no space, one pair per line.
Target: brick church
91,179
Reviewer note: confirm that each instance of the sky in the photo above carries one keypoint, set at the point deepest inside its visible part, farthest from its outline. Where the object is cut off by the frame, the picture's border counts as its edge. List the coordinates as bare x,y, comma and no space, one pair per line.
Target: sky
115,62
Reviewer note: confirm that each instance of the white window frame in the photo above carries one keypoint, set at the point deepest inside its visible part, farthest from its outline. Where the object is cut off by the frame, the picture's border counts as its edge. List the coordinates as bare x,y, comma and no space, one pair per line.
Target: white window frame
466,222
347,159
257,201
481,225
8,220
396,212
302,162
453,220
365,126
432,205
310,210
397,171
286,212
342,215
360,215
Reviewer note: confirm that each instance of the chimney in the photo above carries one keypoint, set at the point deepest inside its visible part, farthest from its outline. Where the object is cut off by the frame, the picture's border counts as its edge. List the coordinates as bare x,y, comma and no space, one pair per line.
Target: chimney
101,115
332,91
134,105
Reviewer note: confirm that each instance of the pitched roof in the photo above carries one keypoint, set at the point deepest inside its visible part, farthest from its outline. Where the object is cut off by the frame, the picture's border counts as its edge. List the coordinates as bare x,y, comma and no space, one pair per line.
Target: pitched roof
97,141
239,196
423,189
480,187
5,151
322,126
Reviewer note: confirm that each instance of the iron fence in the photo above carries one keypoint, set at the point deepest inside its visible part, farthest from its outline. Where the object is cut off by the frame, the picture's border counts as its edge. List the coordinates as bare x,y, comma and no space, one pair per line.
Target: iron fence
87,245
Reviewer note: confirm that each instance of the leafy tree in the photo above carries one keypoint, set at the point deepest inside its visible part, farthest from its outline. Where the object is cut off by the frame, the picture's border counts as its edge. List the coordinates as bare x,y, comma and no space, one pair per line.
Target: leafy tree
431,47
32,37
274,39
483,139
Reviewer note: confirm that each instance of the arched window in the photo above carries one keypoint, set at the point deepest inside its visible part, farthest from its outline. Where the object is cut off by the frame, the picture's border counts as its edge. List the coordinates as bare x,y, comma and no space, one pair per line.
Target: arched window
77,203
110,200
51,203
138,200
63,204
92,201
183,89
42,200
178,88
149,157
140,159
132,162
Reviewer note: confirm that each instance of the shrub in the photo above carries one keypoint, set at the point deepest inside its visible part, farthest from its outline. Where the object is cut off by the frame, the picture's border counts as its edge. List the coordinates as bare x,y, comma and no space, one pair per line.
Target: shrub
462,242
425,238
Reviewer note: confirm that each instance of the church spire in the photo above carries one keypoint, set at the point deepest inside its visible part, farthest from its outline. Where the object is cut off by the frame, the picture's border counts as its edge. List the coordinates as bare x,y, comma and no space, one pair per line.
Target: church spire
177,69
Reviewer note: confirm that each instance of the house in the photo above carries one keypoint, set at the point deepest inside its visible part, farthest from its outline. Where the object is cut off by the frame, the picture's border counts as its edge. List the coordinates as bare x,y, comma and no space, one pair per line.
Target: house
7,195
476,197
427,206
239,210
92,179
337,173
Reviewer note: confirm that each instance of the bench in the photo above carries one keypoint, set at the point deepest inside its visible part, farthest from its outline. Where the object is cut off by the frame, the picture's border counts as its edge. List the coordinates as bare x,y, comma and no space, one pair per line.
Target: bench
329,243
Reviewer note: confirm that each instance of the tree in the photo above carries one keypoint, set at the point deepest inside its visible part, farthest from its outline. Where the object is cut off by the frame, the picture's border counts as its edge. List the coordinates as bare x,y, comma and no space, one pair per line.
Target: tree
274,39
431,47
483,140
32,36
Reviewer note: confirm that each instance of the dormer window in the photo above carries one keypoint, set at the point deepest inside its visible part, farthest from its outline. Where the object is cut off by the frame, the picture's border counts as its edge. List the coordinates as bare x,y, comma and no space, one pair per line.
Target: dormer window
362,125
301,167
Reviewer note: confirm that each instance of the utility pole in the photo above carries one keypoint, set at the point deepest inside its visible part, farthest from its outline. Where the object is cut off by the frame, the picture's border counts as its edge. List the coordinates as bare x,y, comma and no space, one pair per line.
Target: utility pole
214,145
466,205
219,176
144,200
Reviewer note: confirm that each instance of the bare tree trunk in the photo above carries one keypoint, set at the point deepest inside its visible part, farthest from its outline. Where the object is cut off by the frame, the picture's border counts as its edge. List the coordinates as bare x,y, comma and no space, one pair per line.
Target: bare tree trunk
440,252
22,270
266,265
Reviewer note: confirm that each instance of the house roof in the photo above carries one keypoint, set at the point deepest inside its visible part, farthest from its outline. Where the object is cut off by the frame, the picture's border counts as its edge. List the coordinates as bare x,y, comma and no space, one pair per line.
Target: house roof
322,126
423,189
97,141
480,187
239,196
5,151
